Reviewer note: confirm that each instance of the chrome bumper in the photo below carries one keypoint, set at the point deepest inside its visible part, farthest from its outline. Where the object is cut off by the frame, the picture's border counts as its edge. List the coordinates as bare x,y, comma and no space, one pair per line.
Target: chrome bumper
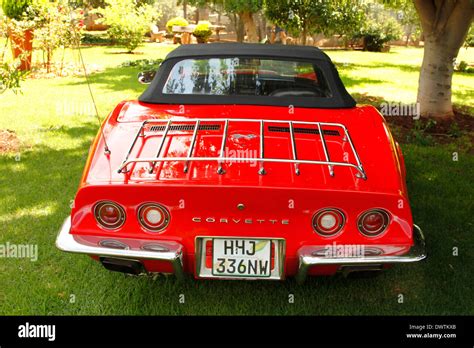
308,259
173,252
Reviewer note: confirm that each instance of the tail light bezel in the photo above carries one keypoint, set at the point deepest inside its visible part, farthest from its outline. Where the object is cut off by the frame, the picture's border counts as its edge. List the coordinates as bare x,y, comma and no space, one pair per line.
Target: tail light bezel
149,228
339,226
386,218
122,215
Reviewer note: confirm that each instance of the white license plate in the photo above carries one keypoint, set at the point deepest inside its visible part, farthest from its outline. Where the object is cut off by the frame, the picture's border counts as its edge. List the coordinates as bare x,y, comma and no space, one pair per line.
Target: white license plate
241,257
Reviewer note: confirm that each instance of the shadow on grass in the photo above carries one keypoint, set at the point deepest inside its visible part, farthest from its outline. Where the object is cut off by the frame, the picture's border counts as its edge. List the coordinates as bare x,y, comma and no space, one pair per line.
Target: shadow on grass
45,176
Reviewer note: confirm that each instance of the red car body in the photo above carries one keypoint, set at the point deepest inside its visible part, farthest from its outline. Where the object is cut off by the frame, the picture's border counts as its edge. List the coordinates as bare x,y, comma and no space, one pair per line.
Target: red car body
212,183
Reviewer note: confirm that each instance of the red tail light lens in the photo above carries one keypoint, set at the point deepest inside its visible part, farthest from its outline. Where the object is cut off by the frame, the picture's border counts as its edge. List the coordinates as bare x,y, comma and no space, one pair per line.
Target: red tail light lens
154,217
373,222
328,222
109,215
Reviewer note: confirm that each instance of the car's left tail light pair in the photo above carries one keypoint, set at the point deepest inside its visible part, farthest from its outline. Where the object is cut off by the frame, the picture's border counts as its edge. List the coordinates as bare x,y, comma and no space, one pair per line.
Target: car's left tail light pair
151,216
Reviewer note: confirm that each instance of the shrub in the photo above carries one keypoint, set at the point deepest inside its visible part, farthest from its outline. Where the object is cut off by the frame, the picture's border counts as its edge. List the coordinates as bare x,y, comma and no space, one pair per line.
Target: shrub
10,77
464,67
58,26
15,9
96,39
203,31
128,23
143,64
177,21
376,33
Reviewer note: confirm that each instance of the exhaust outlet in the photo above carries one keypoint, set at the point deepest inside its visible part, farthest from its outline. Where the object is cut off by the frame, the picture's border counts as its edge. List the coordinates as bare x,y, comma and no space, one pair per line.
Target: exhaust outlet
122,265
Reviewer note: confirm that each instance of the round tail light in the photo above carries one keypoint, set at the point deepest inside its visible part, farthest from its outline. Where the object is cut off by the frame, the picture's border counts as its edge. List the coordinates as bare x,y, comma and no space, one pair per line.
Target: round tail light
328,222
153,217
109,215
373,222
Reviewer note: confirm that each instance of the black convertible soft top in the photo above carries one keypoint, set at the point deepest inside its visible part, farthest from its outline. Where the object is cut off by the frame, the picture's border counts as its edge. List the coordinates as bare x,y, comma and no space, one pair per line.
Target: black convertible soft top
256,50
339,98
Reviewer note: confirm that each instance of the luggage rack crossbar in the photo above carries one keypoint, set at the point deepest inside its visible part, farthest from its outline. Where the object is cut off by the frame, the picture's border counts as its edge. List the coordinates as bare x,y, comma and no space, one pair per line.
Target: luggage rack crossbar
261,159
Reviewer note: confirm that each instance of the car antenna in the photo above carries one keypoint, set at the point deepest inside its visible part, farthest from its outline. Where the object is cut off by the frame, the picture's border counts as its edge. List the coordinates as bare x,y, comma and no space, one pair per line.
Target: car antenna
86,76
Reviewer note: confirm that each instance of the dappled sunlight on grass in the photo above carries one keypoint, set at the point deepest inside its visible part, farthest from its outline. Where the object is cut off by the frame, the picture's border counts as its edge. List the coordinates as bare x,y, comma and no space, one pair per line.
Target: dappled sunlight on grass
29,212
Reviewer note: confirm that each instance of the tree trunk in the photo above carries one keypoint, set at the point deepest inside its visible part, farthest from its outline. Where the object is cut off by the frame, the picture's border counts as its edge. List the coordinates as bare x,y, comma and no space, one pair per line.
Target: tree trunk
305,35
238,26
445,25
249,25
408,36
434,89
49,56
203,13
185,9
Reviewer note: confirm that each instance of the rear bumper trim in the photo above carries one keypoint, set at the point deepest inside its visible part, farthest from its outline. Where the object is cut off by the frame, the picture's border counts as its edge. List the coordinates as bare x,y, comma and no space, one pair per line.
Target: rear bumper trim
173,254
308,259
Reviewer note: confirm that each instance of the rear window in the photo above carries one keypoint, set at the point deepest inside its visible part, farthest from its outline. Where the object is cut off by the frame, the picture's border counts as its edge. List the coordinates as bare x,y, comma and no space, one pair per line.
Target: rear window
246,77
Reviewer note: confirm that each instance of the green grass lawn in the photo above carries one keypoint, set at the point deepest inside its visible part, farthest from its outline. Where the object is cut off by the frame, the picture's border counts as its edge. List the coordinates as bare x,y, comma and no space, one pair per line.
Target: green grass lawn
53,119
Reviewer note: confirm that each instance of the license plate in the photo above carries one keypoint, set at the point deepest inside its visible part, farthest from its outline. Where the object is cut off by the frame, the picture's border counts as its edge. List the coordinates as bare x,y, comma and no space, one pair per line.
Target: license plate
241,257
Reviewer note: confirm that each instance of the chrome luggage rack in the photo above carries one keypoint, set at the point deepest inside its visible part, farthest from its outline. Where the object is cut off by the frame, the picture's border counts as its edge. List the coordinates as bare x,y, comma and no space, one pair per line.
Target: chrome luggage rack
168,126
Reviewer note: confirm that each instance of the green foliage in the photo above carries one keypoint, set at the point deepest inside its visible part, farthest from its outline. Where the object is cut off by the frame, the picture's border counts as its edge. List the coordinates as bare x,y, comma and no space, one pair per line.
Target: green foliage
464,67
239,6
87,3
419,134
240,12
376,32
10,77
93,39
343,17
128,23
408,17
454,130
15,9
103,3
169,10
203,31
346,17
58,26
298,16
177,21
470,38
143,64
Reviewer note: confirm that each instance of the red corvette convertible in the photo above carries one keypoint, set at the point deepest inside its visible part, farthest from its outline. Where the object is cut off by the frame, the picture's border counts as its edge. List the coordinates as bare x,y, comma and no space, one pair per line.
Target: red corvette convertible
244,162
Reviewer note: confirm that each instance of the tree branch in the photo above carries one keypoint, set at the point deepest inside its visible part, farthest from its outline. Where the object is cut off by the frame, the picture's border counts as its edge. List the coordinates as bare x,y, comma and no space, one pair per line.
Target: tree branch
444,9
427,12
458,25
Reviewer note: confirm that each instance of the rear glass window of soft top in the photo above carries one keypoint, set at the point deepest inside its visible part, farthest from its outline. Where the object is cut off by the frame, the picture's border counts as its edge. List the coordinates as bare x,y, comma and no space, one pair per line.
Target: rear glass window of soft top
246,76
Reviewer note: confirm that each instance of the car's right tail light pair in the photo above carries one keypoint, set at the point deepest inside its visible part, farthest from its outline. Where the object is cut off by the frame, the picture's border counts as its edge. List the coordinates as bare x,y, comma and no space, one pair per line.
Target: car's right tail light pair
329,222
